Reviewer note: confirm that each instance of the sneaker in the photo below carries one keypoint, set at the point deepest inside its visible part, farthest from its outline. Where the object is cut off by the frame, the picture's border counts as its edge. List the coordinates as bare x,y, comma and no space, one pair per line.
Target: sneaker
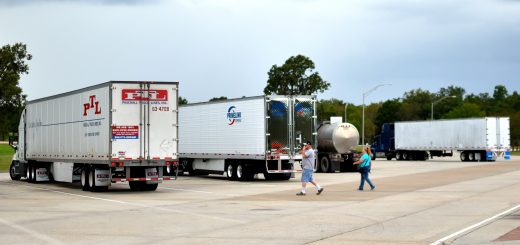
360,189
373,188
320,191
300,193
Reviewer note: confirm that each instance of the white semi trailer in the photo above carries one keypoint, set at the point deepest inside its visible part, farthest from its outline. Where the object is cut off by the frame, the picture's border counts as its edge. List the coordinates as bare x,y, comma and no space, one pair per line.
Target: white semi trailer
477,139
247,136
107,133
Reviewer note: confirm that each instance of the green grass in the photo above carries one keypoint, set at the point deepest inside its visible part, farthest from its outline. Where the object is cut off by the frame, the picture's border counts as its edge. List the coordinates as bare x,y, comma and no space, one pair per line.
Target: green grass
6,155
515,153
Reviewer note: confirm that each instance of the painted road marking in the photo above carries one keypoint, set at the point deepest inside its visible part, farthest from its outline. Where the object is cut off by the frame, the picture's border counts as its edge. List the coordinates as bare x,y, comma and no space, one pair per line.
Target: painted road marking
30,232
486,221
139,205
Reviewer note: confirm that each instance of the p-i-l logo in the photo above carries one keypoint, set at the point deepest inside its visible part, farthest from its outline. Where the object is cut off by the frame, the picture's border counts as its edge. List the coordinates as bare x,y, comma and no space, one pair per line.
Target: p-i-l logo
234,116
131,96
92,104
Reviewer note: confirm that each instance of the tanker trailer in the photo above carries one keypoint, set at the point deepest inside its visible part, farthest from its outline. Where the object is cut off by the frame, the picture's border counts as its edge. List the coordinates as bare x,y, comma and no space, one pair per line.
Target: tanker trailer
336,146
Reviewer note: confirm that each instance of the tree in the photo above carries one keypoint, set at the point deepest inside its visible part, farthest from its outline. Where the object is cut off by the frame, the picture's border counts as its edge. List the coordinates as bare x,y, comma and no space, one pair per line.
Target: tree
182,101
12,65
466,110
416,105
295,77
329,108
388,113
218,98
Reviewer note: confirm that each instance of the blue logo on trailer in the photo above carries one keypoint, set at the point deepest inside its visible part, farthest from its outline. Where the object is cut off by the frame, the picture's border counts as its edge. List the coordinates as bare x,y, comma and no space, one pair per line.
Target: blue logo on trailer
233,115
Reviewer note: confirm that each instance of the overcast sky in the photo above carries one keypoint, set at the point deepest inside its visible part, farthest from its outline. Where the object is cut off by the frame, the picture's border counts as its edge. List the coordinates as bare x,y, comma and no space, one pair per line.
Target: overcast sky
225,47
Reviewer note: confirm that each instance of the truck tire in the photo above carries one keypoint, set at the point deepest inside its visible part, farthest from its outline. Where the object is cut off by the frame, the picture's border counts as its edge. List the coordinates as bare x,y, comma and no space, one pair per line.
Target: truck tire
34,167
406,156
325,164
151,187
373,156
28,172
12,171
84,179
244,173
399,156
389,157
231,172
463,156
471,156
136,185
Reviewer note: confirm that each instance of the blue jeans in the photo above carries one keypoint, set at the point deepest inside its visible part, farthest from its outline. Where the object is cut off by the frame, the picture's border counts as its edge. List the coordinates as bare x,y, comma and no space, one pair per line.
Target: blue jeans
364,177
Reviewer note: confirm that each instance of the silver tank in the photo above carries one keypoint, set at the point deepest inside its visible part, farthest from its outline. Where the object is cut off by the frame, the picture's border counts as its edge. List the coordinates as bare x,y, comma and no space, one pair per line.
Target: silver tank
337,137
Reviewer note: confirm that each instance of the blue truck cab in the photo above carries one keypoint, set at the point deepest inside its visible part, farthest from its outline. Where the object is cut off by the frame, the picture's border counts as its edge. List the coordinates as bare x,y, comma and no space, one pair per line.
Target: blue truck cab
384,143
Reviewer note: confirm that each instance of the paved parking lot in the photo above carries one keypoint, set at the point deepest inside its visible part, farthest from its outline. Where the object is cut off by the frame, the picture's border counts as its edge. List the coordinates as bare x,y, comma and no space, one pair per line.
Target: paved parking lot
414,203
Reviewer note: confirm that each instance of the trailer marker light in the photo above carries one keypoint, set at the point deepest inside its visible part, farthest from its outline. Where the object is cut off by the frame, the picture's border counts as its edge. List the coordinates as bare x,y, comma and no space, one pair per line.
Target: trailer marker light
175,163
113,164
120,164
167,163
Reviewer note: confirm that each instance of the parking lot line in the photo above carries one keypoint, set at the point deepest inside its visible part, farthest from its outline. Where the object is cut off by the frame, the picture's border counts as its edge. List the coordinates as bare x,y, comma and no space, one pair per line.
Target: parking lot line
469,228
31,232
139,205
179,189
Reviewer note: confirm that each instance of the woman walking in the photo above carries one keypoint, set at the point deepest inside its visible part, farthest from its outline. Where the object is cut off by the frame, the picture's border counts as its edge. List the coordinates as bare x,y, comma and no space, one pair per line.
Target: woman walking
364,169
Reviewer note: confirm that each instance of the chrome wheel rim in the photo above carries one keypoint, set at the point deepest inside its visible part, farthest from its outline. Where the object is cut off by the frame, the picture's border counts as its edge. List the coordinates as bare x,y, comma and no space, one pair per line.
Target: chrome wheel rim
229,171
239,171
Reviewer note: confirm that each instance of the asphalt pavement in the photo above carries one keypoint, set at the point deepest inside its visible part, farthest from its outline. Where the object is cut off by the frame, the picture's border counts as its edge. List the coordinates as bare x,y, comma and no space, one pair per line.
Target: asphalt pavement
436,201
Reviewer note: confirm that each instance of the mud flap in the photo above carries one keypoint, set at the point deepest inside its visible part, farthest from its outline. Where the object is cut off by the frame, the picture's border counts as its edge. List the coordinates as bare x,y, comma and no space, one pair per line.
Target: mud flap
42,174
102,177
152,173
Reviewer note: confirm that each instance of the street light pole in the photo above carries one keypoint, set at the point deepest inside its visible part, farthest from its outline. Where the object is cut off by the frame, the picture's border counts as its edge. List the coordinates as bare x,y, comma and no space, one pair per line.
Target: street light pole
363,117
346,105
439,100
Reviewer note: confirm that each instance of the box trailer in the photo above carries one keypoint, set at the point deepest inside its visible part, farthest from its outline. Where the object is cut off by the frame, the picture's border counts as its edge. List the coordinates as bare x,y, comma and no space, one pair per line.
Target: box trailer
476,139
112,132
247,136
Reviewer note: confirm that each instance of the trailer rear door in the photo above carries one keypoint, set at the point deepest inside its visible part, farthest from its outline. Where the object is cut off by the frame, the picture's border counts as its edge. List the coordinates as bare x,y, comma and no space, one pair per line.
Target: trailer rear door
144,121
304,121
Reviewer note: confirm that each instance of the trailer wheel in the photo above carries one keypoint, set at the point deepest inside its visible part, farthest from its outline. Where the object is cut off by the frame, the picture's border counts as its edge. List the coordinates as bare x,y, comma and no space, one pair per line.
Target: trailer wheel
389,157
399,156
136,185
150,187
231,173
240,172
406,156
12,172
325,164
28,173
244,173
33,173
463,156
471,156
424,156
84,179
